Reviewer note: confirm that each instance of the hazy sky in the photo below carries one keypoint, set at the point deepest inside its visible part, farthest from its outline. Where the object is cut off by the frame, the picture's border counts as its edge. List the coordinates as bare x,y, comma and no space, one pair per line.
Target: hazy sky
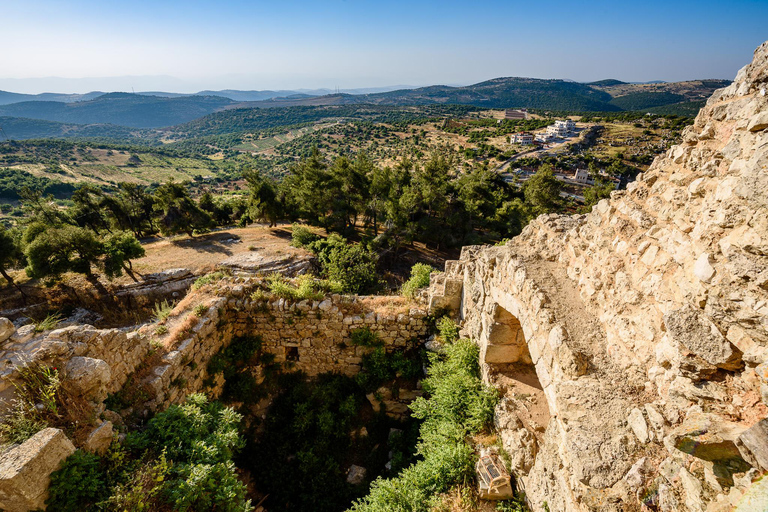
188,45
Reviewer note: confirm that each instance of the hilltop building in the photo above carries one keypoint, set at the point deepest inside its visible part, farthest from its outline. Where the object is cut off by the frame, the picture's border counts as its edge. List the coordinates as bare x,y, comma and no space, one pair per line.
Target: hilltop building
522,138
516,113
561,128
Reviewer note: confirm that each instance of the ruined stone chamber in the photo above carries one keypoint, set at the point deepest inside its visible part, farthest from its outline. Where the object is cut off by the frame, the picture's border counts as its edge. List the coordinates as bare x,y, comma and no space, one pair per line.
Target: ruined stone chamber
629,345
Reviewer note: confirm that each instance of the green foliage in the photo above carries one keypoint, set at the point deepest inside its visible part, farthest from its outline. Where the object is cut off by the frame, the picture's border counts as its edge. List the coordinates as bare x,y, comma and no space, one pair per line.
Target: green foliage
48,323
78,484
458,405
379,366
35,403
364,337
64,249
178,212
447,329
11,254
119,249
162,310
182,462
353,266
542,191
419,279
234,362
208,279
600,190
516,504
200,310
302,236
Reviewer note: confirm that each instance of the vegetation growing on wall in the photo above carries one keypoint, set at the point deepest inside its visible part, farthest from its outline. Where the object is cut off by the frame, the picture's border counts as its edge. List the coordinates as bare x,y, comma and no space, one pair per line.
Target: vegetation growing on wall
182,462
458,405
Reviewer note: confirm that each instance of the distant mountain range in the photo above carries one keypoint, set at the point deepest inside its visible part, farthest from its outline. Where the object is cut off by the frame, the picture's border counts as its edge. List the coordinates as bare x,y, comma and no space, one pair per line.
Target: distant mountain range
117,113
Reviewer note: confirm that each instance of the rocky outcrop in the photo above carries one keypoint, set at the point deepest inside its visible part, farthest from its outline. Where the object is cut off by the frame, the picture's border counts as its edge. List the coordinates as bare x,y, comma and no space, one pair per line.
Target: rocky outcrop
25,470
641,326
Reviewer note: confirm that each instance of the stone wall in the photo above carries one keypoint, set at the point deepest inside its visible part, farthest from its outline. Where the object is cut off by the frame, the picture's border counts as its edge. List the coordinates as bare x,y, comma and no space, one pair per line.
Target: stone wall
313,336
645,322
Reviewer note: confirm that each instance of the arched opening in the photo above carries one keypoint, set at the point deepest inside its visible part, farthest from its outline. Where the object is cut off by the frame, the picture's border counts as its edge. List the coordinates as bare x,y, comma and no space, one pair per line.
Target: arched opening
508,366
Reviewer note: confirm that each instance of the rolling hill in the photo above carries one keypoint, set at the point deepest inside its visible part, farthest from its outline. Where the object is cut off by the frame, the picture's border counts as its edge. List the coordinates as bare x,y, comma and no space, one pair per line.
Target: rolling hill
132,110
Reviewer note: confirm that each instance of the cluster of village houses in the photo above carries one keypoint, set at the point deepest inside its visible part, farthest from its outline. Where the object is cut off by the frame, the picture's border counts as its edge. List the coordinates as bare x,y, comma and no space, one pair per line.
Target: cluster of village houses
560,130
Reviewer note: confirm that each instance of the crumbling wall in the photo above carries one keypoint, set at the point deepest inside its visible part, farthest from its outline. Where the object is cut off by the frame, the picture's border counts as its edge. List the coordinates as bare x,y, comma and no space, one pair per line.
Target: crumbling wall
647,322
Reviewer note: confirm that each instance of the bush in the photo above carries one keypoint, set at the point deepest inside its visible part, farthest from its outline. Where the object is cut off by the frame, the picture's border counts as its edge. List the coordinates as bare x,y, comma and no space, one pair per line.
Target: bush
78,484
208,279
353,266
379,367
419,279
302,236
162,310
447,330
181,462
459,405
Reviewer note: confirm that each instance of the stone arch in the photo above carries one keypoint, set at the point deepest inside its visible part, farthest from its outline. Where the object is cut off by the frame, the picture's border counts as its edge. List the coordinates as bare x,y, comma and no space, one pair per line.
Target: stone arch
506,340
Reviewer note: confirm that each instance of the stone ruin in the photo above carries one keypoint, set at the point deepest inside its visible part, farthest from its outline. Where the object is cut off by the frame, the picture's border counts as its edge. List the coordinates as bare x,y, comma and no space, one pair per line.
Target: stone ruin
630,344
313,336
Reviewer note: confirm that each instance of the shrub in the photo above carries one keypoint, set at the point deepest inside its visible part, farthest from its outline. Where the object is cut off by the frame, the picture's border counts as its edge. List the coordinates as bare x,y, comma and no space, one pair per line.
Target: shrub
34,405
48,323
447,329
364,337
379,367
208,279
302,236
78,484
162,310
419,279
182,461
459,404
353,266
200,310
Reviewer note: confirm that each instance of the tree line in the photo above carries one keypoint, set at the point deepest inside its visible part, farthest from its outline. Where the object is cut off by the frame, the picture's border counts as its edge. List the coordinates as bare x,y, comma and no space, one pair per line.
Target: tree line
392,207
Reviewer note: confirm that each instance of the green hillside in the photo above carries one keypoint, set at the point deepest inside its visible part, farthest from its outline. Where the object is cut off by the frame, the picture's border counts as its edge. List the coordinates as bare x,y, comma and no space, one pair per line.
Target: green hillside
123,109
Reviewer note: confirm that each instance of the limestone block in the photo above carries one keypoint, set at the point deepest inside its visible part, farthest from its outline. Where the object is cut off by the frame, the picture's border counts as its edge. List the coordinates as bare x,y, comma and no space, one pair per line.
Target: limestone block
637,423
89,376
100,438
702,269
356,474
709,437
6,329
692,329
25,469
753,445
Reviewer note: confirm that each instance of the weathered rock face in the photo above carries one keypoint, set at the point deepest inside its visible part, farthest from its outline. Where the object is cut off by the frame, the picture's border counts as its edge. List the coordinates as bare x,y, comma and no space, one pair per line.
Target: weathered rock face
644,322
25,470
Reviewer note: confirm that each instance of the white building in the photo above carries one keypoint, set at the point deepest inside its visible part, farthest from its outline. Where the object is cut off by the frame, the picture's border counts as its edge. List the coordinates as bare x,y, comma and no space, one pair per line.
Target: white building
543,137
582,176
522,138
561,129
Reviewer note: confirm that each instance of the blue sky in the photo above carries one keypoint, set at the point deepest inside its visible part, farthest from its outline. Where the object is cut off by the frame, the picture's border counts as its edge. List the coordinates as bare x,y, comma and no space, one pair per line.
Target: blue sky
191,45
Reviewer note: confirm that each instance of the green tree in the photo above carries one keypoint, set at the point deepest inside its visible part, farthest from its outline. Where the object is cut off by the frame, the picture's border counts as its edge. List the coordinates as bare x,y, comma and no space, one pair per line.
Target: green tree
265,201
11,254
119,249
88,209
178,212
63,249
542,191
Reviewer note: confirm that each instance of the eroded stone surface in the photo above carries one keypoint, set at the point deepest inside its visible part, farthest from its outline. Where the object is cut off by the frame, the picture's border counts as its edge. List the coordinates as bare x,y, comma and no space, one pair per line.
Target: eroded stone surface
646,322
25,469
